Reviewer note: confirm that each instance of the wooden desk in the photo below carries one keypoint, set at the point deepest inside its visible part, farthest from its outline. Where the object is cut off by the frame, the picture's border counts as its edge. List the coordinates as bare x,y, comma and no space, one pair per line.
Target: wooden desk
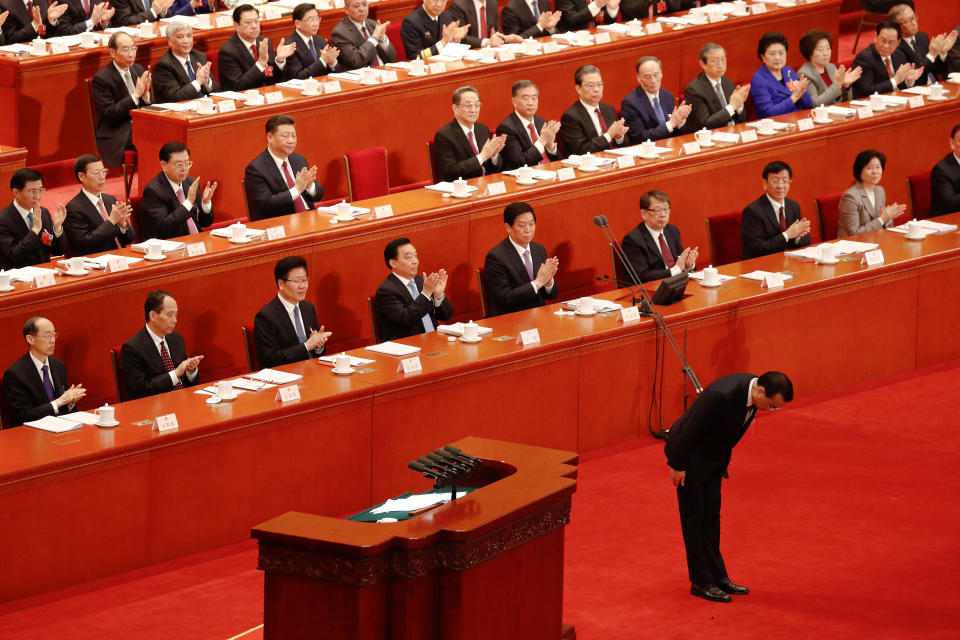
44,100
405,115
225,288
11,159
93,502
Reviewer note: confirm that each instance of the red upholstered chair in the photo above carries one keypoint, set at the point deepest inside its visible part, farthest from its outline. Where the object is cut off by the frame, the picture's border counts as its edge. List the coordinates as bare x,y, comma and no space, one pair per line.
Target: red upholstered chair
129,165
372,308
617,268
918,189
828,215
368,176
434,172
250,347
484,305
726,241
122,395
393,35
6,412
226,223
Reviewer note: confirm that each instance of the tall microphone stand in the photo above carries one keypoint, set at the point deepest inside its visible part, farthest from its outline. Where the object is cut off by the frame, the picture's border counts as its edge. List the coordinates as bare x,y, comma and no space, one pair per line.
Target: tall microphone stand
649,309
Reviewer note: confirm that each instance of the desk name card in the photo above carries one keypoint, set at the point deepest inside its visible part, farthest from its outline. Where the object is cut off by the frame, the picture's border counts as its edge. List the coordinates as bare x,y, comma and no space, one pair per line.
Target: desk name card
274,97
383,211
117,264
714,17
59,47
165,423
507,56
757,9
601,37
630,313
227,105
496,188
654,27
864,112
748,135
224,21
530,336
566,173
625,162
773,280
44,280
196,249
550,47
276,232
691,147
915,101
288,393
437,67
804,124
873,258
388,76
409,365
330,87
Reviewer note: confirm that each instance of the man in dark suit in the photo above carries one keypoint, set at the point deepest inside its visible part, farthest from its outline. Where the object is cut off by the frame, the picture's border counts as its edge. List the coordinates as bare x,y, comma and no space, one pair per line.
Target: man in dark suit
82,16
182,73
916,44
885,66
311,55
640,9
28,233
426,31
134,12
529,18
654,248
247,59
36,385
698,450
530,139
945,179
408,304
464,147
953,55
713,98
590,125
154,360
23,26
278,181
96,221
580,14
169,206
648,110
362,42
484,20
517,273
286,328
772,222
119,88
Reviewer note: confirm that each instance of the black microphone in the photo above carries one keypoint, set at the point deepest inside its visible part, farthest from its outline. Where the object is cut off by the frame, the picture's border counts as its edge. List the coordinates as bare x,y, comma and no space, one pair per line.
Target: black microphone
598,220
435,468
449,458
444,464
416,466
452,449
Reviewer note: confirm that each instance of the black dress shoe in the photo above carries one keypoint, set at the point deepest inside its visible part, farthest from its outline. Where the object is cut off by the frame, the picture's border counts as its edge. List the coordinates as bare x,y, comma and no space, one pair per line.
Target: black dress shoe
729,587
710,592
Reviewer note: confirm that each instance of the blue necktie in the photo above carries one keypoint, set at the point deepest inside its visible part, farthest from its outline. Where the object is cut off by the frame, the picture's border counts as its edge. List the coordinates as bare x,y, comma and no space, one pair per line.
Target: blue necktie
190,73
301,334
658,110
47,384
427,322
536,9
313,49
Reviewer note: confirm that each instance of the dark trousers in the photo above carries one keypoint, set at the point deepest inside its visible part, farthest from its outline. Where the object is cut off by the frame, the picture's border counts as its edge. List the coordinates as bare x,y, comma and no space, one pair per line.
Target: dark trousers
699,502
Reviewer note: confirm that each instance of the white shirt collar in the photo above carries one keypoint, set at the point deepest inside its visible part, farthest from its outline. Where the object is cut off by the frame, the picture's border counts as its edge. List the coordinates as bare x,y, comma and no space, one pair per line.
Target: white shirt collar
406,281
956,157
306,39
122,71
92,198
588,107
246,43
753,383
175,186
23,212
520,250
287,304
39,365
776,205
526,123
156,339
654,234
279,161
651,96
467,131
183,61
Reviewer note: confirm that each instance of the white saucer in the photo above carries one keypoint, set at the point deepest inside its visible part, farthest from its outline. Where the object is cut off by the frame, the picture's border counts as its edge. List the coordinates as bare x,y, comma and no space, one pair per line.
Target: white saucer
311,93
244,241
417,75
213,400
704,145
488,61
9,287
590,170
466,195
77,273
526,182
369,84
162,257
739,14
909,237
347,219
834,261
940,99
248,103
344,372
229,398
710,286
827,121
766,133
588,313
109,424
474,341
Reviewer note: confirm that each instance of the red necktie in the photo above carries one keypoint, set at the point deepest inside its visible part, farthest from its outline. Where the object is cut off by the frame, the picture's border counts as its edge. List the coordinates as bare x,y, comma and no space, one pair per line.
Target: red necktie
377,62
168,361
667,256
534,137
483,21
783,220
603,125
86,7
298,203
889,67
103,214
473,146
253,50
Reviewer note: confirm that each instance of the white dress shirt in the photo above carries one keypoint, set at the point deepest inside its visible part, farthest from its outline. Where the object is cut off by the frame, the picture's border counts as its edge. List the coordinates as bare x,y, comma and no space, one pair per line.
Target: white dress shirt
596,122
289,307
520,251
676,268
186,201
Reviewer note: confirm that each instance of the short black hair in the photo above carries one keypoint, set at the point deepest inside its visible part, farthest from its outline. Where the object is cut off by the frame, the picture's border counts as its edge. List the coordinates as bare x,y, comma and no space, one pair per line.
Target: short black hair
649,195
769,39
584,70
776,167
301,10
277,121
462,90
241,9
522,84
113,42
776,383
863,159
154,302
21,177
285,265
890,24
707,48
516,209
171,148
644,59
80,164
953,132
810,40
30,326
392,249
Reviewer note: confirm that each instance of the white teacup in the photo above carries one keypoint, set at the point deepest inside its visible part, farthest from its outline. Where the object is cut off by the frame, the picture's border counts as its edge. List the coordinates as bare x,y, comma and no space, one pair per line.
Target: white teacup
588,161
525,174
586,305
635,28
914,230
711,276
4,280
369,76
530,46
704,136
827,252
488,55
38,46
471,331
88,39
310,85
238,232
766,125
154,250
460,187
936,91
205,106
254,97
146,30
343,211
648,149
105,414
876,101
820,114
76,264
418,66
341,362
225,389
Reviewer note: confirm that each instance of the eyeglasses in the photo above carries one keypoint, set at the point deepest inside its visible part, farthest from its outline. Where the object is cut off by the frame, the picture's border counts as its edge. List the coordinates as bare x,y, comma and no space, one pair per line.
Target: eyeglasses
298,282
128,49
185,164
591,86
34,192
52,335
660,210
471,105
97,174
779,181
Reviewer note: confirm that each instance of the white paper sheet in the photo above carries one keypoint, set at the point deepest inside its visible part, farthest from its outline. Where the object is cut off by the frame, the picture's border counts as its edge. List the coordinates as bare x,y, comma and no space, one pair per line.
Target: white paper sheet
393,349
165,245
53,424
759,275
456,329
274,377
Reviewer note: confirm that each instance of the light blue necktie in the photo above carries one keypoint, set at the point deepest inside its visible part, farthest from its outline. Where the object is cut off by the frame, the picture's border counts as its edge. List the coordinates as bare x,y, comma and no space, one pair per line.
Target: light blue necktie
427,322
301,334
658,110
536,9
30,219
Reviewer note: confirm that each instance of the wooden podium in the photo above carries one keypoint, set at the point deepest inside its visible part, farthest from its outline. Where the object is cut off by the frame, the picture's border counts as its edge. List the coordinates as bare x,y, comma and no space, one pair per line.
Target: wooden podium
487,566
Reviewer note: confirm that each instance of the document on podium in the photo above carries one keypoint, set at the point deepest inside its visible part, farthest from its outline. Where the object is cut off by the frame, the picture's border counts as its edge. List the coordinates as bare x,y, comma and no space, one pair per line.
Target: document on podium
415,502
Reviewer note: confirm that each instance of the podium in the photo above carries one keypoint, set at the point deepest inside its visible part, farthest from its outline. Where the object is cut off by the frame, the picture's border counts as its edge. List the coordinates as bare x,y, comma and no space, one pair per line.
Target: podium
487,566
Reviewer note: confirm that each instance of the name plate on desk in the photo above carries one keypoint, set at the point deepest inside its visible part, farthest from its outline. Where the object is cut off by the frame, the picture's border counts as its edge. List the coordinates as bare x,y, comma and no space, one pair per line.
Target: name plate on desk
274,97
437,67
748,135
566,173
410,365
196,249
330,87
624,162
654,27
757,9
225,106
629,313
277,232
496,188
530,336
288,393
272,13
915,101
388,76
864,112
691,147
117,264
773,280
550,46
44,280
224,21
873,258
383,211
165,423
59,47
507,56
804,124
601,37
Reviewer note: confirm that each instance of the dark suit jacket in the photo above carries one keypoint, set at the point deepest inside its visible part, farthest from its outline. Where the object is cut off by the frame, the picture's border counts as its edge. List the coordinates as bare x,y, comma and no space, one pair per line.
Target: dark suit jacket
161,213
874,78
276,339
706,110
464,12
953,58
644,255
919,57
267,192
702,439
945,186
419,32
519,150
87,232
519,19
640,9
21,247
142,368
131,12
113,104
641,118
170,81
761,231
75,19
19,24
238,71
575,15
507,282
455,158
23,387
355,51
301,64
400,315
577,133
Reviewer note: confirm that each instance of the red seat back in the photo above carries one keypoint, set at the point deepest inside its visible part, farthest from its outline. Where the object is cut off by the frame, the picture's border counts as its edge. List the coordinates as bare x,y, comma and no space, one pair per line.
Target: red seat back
726,241
122,395
226,223
393,35
828,215
918,187
367,173
250,347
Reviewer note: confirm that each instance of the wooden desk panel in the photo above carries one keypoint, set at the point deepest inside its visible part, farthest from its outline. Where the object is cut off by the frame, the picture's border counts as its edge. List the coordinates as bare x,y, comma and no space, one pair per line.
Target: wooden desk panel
11,159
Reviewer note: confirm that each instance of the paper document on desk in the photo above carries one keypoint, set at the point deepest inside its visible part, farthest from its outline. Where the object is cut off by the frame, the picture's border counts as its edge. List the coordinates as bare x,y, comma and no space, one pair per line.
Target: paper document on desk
456,329
574,161
250,385
354,361
17,48
415,503
844,112
599,304
634,150
405,65
927,227
236,95
133,32
275,377
759,275
393,349
53,424
100,262
538,174
615,28
27,274
83,417
843,247
224,232
698,275
165,245
455,50
777,126
177,107
212,390
447,187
